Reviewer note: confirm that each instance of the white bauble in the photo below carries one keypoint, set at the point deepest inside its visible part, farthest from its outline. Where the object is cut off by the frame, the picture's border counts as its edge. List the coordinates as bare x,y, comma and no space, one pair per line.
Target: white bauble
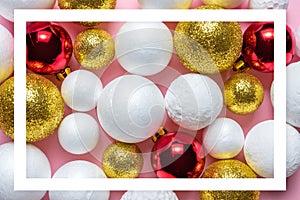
78,133
144,48
6,53
224,3
292,150
165,4
81,90
79,169
268,4
7,6
38,166
149,195
272,93
193,101
223,139
131,108
297,36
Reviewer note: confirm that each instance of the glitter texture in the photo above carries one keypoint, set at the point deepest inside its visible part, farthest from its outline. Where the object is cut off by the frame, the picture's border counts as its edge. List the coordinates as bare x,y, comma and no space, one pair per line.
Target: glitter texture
243,93
87,4
208,47
94,48
229,169
122,160
44,107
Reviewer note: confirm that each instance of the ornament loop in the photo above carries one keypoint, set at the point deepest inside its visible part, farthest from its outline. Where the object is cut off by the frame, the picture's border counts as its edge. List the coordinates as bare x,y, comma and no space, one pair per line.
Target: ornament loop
62,74
241,65
161,132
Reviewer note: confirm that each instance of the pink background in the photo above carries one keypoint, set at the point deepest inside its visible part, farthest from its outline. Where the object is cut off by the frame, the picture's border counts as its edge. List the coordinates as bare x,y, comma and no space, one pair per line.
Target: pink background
58,156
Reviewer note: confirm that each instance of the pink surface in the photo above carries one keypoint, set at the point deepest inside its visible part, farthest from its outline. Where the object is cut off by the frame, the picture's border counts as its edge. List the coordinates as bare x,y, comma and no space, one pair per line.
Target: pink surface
58,156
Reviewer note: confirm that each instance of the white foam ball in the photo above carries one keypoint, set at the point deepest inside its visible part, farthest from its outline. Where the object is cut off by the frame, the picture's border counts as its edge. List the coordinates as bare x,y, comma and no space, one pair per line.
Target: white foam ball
223,139
165,4
79,169
149,195
272,93
6,53
224,3
292,150
78,133
38,166
297,36
193,101
81,90
144,48
7,6
268,4
131,108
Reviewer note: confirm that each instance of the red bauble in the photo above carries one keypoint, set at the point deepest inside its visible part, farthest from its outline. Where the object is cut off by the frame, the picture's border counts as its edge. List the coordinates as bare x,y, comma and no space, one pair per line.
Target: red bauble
177,155
49,48
258,46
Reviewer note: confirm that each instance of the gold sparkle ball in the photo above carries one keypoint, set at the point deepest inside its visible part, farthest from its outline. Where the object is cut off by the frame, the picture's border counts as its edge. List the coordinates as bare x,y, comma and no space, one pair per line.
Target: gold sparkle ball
208,47
122,160
44,107
229,169
94,48
87,4
243,93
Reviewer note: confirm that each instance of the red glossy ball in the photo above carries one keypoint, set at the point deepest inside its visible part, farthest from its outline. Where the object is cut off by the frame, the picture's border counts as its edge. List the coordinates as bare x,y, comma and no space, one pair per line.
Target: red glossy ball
258,46
177,155
49,48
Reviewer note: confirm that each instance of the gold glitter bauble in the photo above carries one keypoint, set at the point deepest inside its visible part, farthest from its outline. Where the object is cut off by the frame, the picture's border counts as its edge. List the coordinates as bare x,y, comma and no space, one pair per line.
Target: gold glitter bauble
208,47
44,107
94,48
122,160
87,4
229,169
243,93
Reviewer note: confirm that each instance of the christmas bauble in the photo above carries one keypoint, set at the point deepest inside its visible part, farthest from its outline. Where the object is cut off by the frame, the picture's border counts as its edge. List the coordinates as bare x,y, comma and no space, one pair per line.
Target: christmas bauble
122,160
243,93
292,150
49,48
79,169
229,169
144,48
297,35
223,139
149,195
177,155
258,46
94,48
38,166
131,108
224,3
81,90
6,53
87,4
208,47
193,101
268,4
44,107
78,133
166,4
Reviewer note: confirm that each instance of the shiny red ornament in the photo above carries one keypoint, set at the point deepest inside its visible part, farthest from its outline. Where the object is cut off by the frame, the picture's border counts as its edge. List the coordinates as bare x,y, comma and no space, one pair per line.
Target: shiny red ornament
258,46
48,46
177,155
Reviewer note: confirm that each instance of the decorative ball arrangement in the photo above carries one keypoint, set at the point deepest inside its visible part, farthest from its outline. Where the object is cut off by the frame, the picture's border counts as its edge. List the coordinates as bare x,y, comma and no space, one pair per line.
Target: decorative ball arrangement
292,150
243,93
208,47
131,108
223,139
193,101
44,107
122,160
229,169
268,4
149,195
79,169
144,48
94,48
224,3
48,46
166,4
6,53
81,90
38,166
78,133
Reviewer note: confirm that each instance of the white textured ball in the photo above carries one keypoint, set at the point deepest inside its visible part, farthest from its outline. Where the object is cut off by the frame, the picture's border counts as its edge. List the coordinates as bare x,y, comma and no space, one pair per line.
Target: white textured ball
38,166
292,150
268,4
81,90
223,139
6,53
78,133
272,93
224,3
193,101
144,48
79,169
165,4
131,108
7,6
149,195
297,36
